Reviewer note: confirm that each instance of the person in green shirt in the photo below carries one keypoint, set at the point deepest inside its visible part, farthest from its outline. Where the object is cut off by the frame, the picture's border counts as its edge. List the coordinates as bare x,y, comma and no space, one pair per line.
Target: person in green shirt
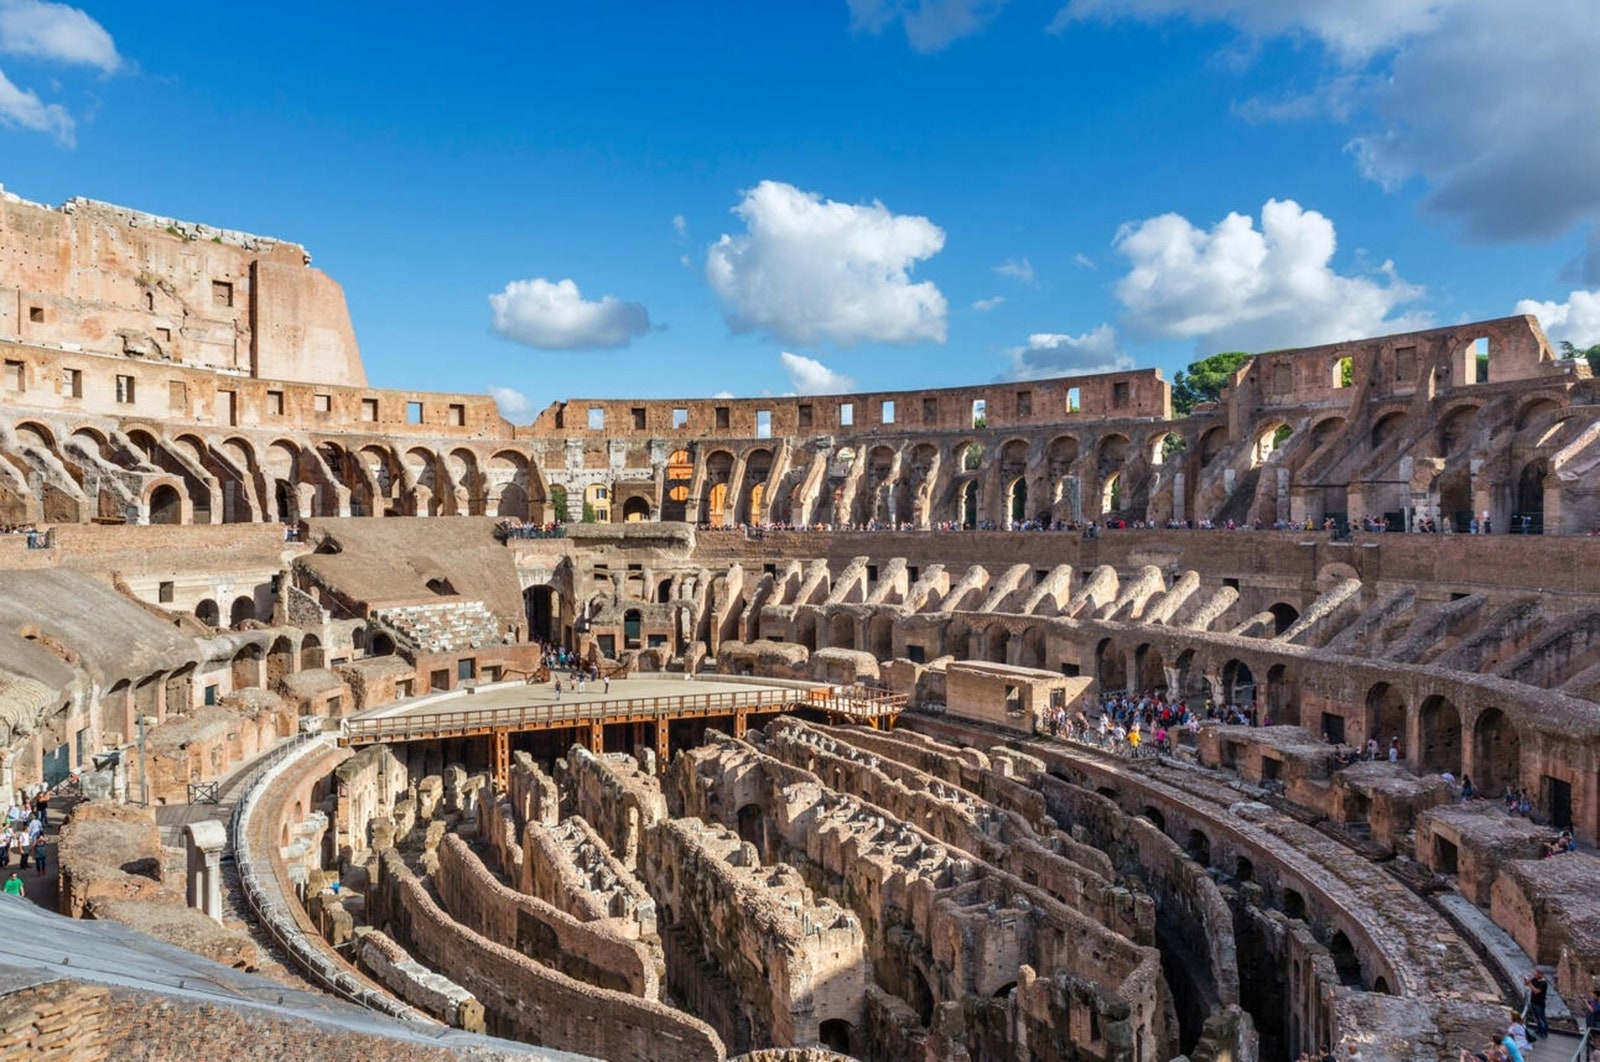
13,884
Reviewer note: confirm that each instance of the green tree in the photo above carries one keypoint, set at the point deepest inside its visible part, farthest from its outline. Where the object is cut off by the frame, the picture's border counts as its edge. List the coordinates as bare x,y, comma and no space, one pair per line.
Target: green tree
1589,354
558,502
1204,380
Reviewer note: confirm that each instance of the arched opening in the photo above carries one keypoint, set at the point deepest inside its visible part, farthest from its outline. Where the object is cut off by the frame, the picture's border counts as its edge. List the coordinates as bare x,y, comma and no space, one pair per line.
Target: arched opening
280,661
246,667
1533,411
996,642
679,474
1244,870
1191,679
1212,444
1283,701
1294,904
714,506
208,613
1386,714
1151,668
1111,494
166,505
921,996
969,504
1387,427
380,644
513,502
1110,669
1031,650
880,637
1198,848
635,510
1154,815
1269,441
1284,616
1238,684
1529,517
244,609
805,631
310,652
1345,961
539,608
1457,429
664,592
1497,752
842,631
837,1035
631,622
1441,735
1017,500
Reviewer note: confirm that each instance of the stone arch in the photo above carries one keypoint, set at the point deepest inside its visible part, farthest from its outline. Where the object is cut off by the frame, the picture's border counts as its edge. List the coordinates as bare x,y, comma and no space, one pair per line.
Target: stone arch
1270,437
1284,616
1387,427
1238,684
1111,494
1345,960
1212,443
379,643
507,474
206,612
753,496
1031,650
243,609
679,473
1150,668
246,667
714,494
1017,500
805,631
1109,667
1440,735
880,637
996,643
280,661
842,631
1283,699
1154,815
1191,679
310,652
1324,430
1533,409
1456,428
1529,515
968,508
470,481
1497,751
1164,444
433,495
166,504
636,510
838,1036
32,433
1386,713
1198,847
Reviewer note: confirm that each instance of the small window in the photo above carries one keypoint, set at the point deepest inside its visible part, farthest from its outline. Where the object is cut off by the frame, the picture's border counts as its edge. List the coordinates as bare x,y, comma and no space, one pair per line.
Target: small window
803,416
36,314
125,390
930,410
72,383
275,404
1120,395
597,418
164,593
872,573
887,412
211,694
1024,403
763,423
847,414
916,654
458,415
1405,364
722,418
222,293
638,418
1230,582
322,403
13,377
466,669
413,412
369,410
1073,400
980,413
680,417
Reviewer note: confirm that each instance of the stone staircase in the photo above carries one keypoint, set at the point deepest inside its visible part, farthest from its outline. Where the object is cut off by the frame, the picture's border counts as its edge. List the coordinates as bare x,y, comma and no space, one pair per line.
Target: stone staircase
443,627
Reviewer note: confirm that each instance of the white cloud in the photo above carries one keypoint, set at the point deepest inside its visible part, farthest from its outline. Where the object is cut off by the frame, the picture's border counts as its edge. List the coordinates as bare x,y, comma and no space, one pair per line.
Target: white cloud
985,305
1577,320
1018,269
680,224
810,270
929,24
514,405
25,109
1352,28
1236,287
723,394
1048,354
809,376
1489,102
55,33
555,316
1084,261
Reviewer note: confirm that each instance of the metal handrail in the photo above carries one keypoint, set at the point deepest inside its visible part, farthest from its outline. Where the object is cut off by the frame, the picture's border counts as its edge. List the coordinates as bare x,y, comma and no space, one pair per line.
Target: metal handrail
858,703
1582,1052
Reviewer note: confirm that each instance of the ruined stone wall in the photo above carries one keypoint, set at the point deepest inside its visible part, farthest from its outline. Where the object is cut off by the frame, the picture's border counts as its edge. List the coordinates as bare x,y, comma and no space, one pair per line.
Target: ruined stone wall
388,964
568,866
589,951
525,1000
615,796
368,785
793,961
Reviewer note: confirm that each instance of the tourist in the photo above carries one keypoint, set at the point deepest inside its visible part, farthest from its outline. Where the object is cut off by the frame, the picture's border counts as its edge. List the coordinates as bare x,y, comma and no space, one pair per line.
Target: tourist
40,855
558,687
14,884
41,806
1591,1018
1509,1044
1467,792
1538,990
1394,749
1519,1033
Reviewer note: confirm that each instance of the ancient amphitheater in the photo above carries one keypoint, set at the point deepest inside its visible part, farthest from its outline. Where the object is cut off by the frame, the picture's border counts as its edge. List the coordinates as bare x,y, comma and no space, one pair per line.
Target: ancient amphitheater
287,635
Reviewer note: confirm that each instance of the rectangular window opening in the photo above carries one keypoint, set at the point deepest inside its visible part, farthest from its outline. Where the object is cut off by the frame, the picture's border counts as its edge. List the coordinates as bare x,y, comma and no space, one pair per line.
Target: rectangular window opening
164,593
847,414
13,376
888,411
803,416
723,418
763,423
1073,400
680,417
458,415
72,383
1480,359
322,403
1024,403
178,396
930,410
369,410
980,413
413,412
1121,396
222,293
275,404
638,414
36,314
125,390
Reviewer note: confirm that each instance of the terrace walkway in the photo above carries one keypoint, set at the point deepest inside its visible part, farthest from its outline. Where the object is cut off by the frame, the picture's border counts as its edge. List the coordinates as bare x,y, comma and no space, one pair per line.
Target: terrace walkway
647,705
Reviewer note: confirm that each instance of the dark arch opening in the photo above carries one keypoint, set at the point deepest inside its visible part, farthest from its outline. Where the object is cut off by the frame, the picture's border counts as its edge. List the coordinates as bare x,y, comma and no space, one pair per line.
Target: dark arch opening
921,997
1283,617
380,644
206,612
1244,870
1155,816
1294,905
1345,960
837,1035
1199,848
166,505
753,826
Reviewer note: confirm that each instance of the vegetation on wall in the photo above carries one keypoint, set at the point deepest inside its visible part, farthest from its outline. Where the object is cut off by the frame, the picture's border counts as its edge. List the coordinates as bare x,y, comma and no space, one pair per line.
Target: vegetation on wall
1204,380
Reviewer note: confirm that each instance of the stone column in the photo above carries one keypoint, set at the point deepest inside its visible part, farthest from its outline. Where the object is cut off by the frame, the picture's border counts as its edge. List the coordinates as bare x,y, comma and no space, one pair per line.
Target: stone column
203,842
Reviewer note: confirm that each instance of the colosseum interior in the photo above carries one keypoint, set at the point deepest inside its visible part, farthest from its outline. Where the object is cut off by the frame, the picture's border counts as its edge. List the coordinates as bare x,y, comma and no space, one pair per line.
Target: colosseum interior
301,659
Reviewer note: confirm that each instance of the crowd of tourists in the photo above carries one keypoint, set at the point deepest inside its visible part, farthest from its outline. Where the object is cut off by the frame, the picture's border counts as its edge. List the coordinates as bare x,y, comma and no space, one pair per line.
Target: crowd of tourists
1127,724
36,539
511,527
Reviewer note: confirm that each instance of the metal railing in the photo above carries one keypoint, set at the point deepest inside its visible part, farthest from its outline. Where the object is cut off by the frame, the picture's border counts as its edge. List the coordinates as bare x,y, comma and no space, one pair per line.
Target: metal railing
849,701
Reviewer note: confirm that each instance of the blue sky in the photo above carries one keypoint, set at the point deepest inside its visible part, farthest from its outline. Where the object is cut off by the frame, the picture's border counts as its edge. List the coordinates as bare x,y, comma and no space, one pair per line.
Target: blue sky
662,200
